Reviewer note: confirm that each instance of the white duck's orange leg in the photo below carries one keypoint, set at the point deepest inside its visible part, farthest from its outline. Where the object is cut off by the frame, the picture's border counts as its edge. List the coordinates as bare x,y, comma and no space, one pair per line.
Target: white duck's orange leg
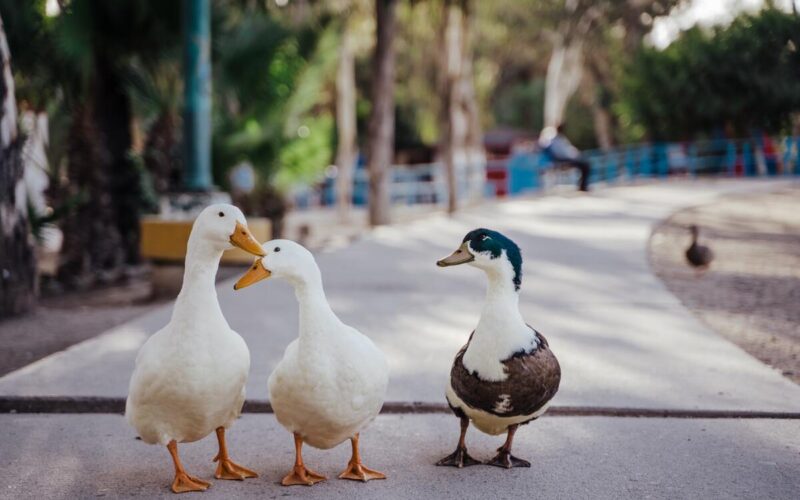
356,470
300,473
227,468
184,482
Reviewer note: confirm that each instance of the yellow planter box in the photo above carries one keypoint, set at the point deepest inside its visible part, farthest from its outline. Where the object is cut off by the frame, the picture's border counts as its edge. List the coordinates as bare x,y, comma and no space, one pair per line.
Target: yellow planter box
165,240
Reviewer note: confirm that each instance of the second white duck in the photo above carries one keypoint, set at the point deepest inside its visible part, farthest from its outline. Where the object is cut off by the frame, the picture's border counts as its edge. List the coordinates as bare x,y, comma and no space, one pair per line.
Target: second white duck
331,382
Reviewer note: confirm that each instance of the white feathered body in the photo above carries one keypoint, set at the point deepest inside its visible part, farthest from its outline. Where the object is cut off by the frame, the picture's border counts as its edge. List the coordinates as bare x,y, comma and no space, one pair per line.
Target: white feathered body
190,376
329,386
188,383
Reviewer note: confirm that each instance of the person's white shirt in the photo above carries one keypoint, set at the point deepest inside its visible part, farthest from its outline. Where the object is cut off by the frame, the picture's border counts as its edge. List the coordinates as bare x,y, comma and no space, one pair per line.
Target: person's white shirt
558,145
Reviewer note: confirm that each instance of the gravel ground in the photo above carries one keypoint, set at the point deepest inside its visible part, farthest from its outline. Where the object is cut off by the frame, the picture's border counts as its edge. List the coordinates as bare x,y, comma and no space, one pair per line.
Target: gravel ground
751,294
60,321
63,320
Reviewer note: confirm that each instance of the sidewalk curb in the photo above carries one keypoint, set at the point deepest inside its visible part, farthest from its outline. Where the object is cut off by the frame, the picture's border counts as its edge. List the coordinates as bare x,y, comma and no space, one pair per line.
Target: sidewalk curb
101,405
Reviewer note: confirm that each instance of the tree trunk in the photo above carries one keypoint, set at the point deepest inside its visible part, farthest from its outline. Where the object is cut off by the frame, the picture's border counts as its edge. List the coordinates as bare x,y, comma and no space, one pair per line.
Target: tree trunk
597,96
453,127
461,141
564,73
473,142
381,121
602,126
345,123
92,244
17,256
163,156
112,111
101,234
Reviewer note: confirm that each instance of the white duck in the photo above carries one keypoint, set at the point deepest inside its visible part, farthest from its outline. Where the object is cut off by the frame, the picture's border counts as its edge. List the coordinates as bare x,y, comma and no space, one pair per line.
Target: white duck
332,380
189,377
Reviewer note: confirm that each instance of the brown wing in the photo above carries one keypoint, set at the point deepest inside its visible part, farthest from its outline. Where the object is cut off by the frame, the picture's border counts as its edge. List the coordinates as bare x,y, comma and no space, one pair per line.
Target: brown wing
533,379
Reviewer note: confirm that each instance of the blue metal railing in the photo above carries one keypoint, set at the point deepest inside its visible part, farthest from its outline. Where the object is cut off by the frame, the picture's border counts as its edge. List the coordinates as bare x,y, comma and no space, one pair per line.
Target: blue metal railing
533,171
410,185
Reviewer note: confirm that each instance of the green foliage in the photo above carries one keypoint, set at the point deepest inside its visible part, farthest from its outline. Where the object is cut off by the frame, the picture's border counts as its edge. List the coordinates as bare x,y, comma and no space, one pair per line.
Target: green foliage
271,78
303,158
521,105
742,77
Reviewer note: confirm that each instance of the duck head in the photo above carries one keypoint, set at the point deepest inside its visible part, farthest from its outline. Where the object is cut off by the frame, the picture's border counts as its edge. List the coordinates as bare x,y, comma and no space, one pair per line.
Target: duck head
224,227
282,259
490,251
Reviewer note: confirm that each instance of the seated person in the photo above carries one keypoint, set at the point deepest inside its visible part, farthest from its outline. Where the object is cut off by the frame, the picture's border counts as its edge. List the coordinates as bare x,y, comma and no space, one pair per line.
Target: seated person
555,143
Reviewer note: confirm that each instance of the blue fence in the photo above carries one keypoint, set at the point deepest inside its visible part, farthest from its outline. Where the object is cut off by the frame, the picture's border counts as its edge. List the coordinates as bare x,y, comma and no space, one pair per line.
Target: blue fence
532,171
527,172
409,185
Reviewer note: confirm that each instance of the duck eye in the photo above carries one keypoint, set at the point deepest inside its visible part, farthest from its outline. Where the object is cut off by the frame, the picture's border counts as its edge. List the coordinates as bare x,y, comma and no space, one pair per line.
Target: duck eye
221,214
484,237
277,249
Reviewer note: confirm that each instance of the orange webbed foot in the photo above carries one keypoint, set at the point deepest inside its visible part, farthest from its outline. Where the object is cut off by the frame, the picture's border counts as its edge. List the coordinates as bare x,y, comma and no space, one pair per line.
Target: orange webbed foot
228,469
184,483
356,471
301,475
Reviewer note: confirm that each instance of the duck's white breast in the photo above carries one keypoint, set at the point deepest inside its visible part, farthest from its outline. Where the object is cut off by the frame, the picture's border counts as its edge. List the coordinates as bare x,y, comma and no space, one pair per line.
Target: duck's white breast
185,387
332,391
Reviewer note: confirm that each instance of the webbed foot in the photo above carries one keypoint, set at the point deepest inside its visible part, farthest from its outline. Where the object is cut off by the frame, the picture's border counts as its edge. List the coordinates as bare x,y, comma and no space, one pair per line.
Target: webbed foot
506,460
184,483
459,458
228,469
359,472
301,475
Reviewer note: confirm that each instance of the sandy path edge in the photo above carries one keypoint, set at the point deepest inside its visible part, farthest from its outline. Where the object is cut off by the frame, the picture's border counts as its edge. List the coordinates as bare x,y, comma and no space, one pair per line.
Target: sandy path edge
752,291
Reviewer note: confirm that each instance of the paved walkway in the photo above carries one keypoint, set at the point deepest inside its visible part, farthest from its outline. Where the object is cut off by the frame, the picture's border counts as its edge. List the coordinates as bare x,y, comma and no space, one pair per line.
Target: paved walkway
89,456
623,341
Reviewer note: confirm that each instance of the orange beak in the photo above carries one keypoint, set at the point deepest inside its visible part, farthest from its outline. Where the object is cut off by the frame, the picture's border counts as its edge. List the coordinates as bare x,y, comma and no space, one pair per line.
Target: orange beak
243,238
256,273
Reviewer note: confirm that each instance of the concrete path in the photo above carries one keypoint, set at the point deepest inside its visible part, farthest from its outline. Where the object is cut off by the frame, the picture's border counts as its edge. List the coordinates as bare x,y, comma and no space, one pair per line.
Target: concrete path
623,340
87,456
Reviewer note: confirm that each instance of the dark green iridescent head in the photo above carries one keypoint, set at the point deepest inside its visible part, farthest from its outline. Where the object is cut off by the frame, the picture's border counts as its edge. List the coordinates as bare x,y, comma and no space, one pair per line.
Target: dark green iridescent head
485,240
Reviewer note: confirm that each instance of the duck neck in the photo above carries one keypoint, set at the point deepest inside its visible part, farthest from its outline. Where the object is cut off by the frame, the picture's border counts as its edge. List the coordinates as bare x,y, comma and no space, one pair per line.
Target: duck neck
316,315
501,330
502,299
198,292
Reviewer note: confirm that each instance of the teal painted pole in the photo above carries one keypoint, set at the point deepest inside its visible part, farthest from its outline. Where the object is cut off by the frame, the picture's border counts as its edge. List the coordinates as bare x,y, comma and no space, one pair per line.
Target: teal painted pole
197,94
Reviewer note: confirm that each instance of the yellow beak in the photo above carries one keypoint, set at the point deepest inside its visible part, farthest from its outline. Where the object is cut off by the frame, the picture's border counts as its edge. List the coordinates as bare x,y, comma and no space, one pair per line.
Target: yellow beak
256,273
243,238
460,256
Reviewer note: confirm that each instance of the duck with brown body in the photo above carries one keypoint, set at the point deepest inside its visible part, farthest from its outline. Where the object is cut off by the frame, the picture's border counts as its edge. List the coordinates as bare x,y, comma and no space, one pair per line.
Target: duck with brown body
506,374
698,256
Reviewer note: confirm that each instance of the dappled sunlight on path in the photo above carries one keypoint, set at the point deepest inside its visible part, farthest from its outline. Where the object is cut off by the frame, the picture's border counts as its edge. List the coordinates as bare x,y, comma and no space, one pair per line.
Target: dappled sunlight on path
621,337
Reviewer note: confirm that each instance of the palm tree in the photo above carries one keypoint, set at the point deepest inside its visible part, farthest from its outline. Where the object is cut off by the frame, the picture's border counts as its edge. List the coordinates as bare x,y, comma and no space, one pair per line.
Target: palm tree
97,42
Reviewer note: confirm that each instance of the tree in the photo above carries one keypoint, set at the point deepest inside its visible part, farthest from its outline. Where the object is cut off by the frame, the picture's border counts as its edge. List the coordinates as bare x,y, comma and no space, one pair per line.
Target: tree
17,256
577,29
743,77
460,130
381,121
345,121
98,41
